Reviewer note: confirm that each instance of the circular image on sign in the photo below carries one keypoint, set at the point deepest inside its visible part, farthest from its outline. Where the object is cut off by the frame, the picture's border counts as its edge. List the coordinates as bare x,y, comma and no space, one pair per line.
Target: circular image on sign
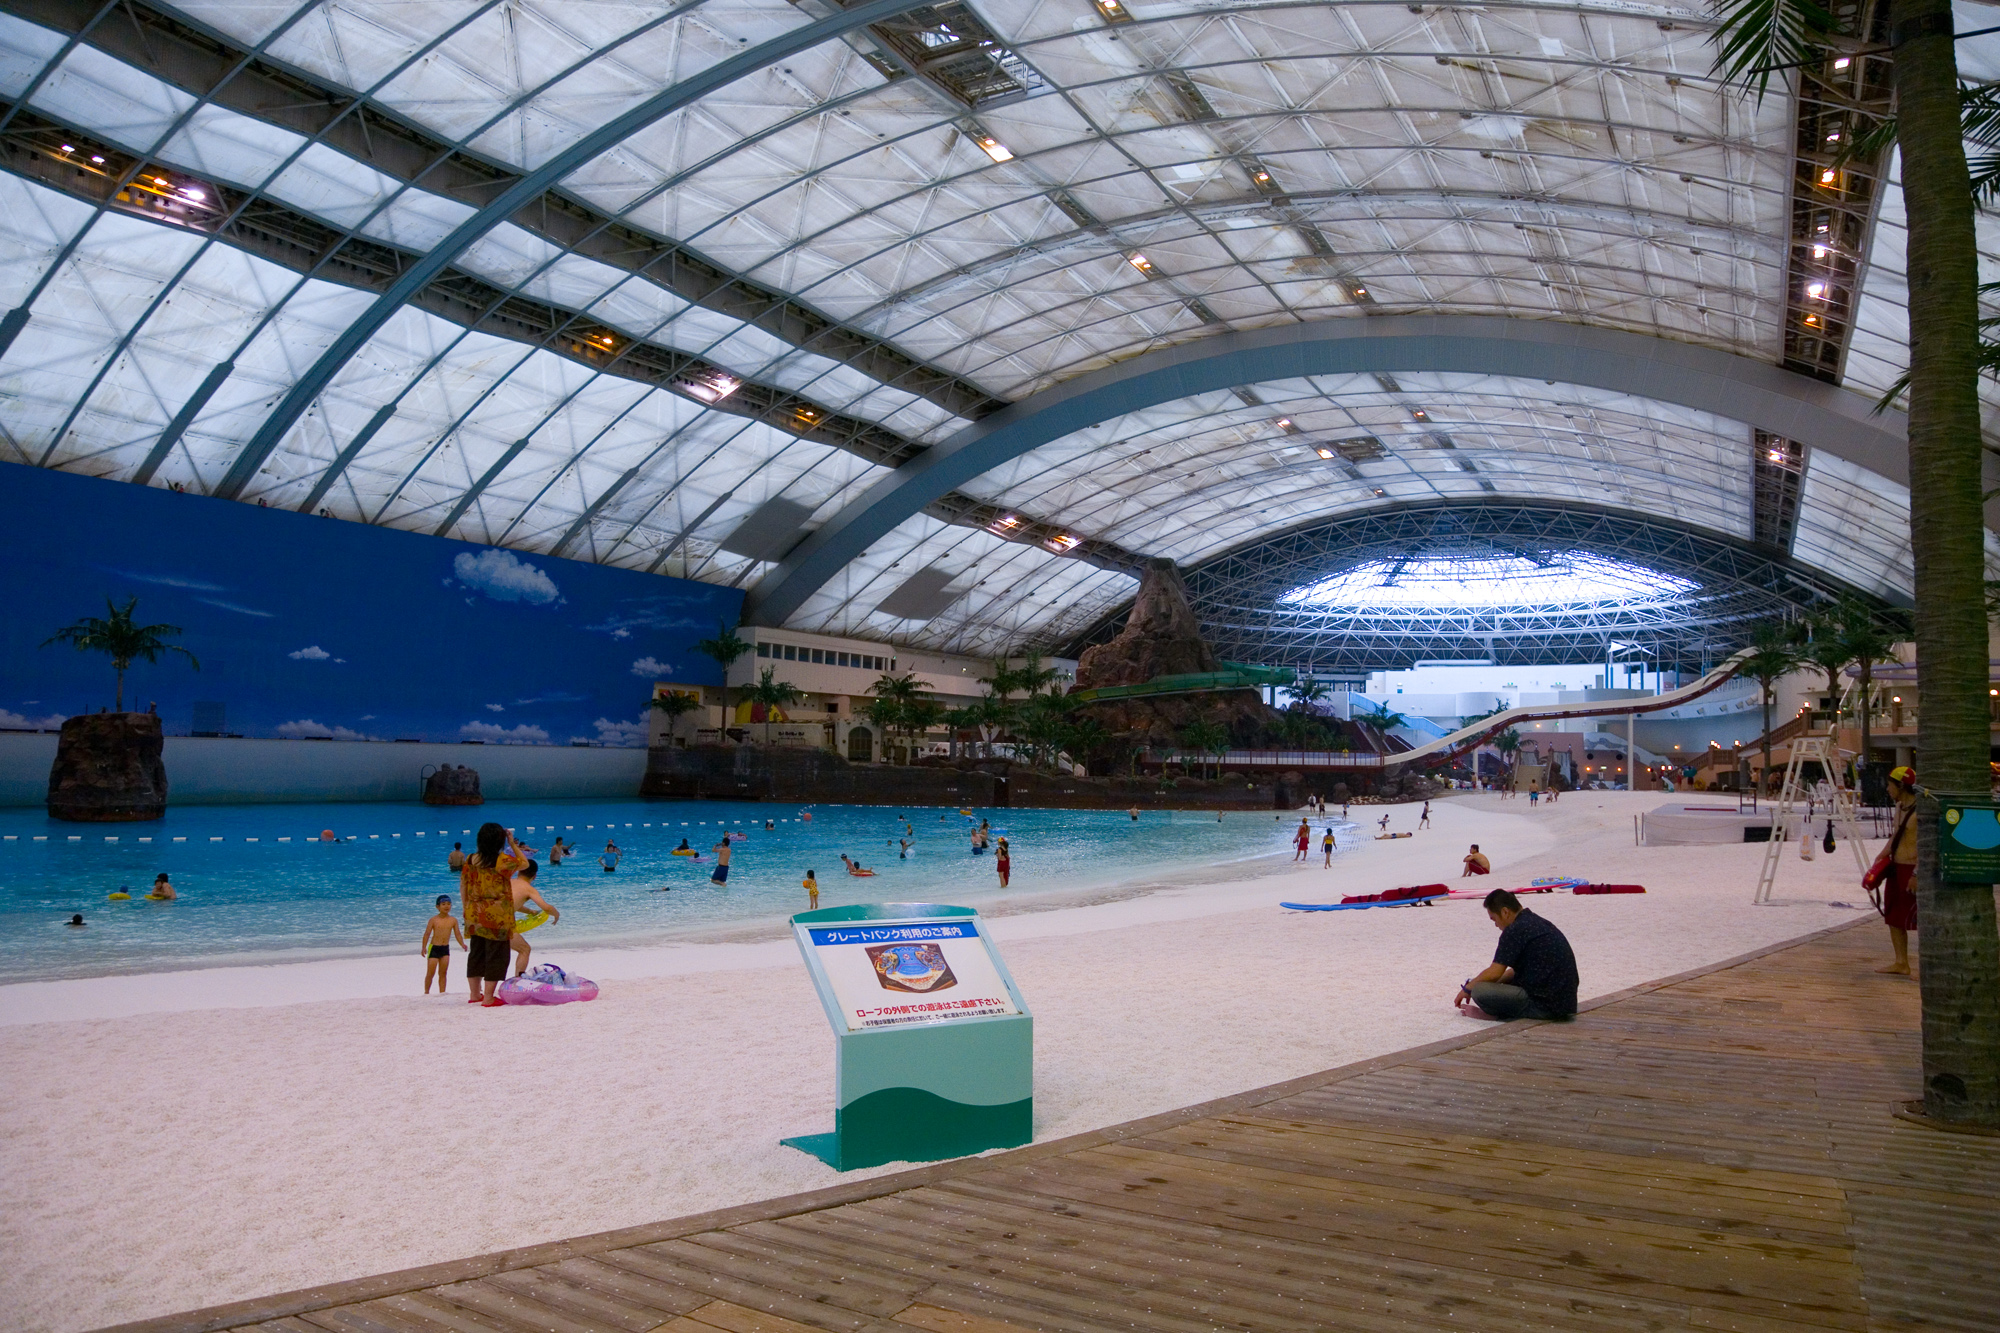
911,967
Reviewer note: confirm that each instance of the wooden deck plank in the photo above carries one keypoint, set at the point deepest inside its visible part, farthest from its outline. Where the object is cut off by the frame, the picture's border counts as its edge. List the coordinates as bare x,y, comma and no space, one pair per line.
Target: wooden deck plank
1715,1151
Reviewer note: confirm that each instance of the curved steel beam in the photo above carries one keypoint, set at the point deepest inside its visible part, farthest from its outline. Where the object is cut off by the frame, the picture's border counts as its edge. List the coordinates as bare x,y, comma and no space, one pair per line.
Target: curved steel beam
522,192
1817,415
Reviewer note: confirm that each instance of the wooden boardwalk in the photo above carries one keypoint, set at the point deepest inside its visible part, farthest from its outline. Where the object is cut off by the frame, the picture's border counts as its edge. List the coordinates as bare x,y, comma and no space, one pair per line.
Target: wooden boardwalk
1713,1152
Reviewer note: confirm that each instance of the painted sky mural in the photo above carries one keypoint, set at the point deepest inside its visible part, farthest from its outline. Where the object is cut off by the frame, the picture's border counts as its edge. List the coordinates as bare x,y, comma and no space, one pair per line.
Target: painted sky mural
307,626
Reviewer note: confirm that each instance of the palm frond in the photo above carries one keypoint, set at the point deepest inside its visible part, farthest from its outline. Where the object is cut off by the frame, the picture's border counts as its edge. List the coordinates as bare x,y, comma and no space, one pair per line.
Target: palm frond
1754,39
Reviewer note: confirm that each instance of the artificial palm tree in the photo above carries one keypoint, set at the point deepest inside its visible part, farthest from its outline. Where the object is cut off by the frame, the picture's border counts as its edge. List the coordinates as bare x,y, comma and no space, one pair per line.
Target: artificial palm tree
1961,965
120,637
1382,719
1031,677
772,694
893,698
1308,694
1825,650
1206,736
725,648
675,705
1774,654
1508,743
1870,639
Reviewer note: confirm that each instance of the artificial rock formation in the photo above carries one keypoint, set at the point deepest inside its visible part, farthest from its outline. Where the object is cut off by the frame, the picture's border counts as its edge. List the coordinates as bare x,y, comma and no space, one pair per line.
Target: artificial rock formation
453,786
109,769
1161,637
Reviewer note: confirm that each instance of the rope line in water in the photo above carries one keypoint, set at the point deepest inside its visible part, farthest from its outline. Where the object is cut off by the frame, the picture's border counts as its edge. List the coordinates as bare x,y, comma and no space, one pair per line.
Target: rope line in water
356,837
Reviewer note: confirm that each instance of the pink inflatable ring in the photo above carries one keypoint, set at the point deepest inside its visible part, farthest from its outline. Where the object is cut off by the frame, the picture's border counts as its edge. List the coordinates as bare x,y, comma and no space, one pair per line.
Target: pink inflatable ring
545,983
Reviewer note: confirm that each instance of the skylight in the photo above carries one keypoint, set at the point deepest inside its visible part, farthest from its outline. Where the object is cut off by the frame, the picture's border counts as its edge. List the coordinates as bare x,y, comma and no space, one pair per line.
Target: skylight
1443,583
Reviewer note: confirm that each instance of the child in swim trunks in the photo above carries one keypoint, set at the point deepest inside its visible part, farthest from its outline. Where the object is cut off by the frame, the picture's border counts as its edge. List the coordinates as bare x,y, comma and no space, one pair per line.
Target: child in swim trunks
439,932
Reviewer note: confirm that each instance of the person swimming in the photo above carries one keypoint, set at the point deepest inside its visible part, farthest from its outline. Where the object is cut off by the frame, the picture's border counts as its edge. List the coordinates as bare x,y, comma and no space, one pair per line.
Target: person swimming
162,890
684,846
76,920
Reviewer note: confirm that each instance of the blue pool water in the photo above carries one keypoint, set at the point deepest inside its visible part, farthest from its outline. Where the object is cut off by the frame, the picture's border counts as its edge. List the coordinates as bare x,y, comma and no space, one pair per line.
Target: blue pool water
256,884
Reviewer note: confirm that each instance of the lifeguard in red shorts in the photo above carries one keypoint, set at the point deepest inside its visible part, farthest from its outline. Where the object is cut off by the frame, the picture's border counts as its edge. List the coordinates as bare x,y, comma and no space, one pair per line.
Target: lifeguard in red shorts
1895,870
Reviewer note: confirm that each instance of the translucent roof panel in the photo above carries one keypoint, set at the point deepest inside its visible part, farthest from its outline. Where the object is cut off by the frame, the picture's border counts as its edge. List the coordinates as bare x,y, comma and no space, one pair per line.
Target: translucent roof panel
869,261
1192,478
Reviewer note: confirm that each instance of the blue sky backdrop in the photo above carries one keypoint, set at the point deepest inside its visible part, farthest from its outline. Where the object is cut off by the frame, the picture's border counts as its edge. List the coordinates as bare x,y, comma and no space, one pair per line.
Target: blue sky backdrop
309,626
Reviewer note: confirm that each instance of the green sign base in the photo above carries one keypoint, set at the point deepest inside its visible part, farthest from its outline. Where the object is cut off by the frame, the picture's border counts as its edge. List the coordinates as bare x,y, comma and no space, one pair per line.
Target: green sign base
911,1125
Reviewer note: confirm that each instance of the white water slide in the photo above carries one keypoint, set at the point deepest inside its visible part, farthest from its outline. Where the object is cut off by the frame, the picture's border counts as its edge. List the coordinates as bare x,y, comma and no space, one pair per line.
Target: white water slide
1466,738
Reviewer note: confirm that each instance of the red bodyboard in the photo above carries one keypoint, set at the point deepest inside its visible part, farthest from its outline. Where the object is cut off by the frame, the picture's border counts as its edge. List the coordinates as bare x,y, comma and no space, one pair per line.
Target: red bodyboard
1609,888
1397,895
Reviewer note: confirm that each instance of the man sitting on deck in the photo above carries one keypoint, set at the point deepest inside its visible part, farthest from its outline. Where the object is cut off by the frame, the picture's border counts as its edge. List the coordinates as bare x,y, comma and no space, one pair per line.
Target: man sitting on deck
1476,863
1533,973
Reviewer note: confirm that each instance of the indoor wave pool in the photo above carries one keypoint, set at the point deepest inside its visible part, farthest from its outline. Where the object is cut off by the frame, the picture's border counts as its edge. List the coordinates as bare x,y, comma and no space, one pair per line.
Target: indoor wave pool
257,883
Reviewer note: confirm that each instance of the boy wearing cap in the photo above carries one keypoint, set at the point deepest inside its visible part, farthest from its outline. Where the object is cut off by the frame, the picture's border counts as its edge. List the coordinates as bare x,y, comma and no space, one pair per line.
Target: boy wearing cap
1895,871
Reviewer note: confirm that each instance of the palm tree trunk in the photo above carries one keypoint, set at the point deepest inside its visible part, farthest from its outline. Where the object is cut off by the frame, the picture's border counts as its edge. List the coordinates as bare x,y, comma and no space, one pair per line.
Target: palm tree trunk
1867,706
1961,956
119,706
1765,776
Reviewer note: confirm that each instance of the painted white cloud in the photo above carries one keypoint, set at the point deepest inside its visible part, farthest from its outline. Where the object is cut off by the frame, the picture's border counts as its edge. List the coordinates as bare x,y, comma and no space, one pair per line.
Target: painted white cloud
312,654
305,728
496,708
504,577
628,734
13,721
493,731
652,667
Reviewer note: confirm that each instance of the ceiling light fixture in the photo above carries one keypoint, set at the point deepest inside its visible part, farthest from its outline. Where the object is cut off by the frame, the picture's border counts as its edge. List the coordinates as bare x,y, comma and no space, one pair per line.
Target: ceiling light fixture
1828,176
67,149
1284,423
711,386
1816,290
1140,262
1324,452
1064,542
1842,63
1418,414
1777,456
994,149
97,158
1820,252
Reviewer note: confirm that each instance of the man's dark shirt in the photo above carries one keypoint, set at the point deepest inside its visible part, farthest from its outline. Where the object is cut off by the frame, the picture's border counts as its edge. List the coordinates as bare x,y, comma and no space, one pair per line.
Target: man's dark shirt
1542,962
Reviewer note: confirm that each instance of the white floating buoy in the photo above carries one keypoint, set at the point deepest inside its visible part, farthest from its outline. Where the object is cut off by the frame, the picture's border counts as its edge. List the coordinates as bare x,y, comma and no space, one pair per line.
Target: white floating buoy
76,837
145,840
111,837
215,840
249,840
176,840
284,840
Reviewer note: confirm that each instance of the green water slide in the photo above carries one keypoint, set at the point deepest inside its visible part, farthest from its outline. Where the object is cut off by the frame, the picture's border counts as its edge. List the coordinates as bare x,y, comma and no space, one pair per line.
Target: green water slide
1233,676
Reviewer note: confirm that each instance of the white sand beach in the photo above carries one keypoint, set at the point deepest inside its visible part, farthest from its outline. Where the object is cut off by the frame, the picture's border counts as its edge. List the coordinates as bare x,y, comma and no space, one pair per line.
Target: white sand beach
185,1139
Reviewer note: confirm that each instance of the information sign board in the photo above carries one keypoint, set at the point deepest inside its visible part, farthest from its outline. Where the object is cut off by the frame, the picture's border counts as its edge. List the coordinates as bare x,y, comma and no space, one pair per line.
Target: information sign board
910,972
934,1046
1968,840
